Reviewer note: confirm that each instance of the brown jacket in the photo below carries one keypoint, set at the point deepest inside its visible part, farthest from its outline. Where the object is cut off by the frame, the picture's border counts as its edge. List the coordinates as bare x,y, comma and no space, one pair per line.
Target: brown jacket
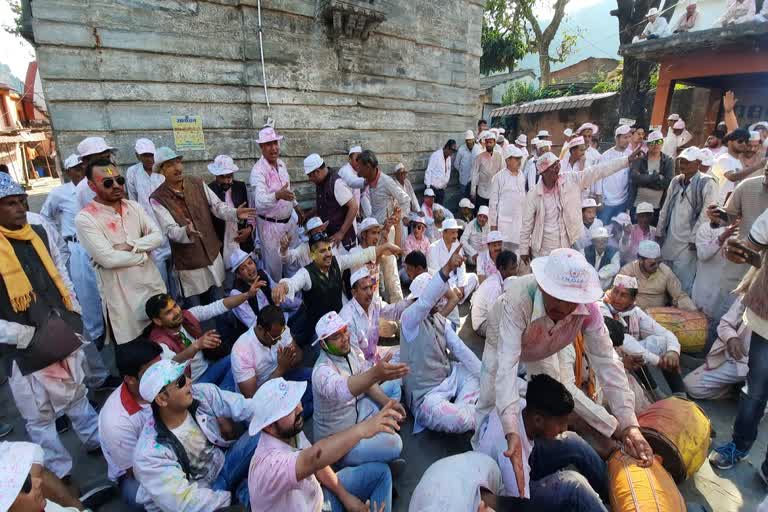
191,206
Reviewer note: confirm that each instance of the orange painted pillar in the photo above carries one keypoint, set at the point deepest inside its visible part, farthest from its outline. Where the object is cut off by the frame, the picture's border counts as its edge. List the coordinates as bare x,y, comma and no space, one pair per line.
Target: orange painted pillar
661,103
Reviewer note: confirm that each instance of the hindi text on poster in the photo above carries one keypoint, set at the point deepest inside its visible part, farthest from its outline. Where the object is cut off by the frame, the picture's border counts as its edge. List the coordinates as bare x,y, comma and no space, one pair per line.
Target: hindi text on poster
188,133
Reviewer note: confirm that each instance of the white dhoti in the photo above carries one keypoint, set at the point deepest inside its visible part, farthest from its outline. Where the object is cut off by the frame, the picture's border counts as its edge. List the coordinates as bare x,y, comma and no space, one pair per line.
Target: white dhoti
44,395
450,407
270,234
714,383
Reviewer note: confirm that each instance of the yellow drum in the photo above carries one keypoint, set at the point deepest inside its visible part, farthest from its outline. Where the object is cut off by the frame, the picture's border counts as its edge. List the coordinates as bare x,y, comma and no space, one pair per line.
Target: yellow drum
690,327
679,432
637,489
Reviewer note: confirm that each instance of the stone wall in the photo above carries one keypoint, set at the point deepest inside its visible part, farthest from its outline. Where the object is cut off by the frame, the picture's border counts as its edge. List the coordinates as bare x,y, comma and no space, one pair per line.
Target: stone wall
122,68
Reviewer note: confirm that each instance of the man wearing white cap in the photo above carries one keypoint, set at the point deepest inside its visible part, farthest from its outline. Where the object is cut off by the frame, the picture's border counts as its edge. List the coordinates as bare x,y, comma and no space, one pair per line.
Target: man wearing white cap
233,235
643,336
658,286
604,258
685,209
300,255
649,176
552,215
486,259
91,148
185,207
656,26
287,472
119,236
541,314
487,164
522,144
568,134
507,198
320,282
384,193
428,208
271,196
417,240
370,234
687,20
364,312
348,173
676,139
466,212
613,190
247,274
439,254
505,266
334,201
440,392
40,331
473,236
465,159
187,457
140,181
589,216
348,389
438,172
589,131
541,146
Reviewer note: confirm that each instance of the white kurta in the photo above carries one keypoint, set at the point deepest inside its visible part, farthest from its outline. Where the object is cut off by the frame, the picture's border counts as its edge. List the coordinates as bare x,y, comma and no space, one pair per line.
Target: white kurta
710,264
506,204
126,278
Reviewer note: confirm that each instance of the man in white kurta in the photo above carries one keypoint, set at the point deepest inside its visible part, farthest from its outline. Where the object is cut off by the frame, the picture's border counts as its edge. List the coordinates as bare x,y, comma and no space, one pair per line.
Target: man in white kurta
541,314
507,198
487,164
119,236
438,172
271,196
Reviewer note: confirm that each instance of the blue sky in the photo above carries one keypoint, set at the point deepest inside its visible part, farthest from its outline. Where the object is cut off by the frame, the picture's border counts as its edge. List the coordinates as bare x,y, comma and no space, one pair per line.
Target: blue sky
599,32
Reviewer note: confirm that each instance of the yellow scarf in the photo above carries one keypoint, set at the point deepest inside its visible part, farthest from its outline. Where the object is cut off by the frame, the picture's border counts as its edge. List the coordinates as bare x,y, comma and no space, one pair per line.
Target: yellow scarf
20,290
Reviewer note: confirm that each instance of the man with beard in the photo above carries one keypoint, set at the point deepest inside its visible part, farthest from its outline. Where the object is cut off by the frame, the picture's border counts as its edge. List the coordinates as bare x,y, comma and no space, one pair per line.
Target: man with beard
189,456
287,472
267,351
273,200
184,207
320,282
119,236
728,169
233,192
348,390
487,164
179,333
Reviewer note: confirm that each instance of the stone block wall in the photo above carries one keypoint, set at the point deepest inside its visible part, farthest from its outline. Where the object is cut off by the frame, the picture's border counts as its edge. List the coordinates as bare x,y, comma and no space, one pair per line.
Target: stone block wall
122,68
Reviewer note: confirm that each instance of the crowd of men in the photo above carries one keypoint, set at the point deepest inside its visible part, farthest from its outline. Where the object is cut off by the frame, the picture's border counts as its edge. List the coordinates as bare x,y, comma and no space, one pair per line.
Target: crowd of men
235,315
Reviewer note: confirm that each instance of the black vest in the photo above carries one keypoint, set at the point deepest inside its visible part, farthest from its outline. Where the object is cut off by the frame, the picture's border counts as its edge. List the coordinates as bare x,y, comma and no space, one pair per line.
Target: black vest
591,256
239,196
325,295
47,297
331,211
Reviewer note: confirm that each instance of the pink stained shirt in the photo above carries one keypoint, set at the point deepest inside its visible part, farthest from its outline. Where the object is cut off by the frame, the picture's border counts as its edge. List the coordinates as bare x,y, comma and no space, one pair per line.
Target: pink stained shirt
412,244
264,181
272,482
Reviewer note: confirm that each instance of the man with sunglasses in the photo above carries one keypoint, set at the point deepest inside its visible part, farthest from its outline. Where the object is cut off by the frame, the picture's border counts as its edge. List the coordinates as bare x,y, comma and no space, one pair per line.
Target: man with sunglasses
119,236
192,457
650,175
728,169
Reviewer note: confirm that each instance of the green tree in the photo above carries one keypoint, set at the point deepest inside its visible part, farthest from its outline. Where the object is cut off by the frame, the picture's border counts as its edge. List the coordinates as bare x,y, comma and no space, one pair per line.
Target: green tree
540,40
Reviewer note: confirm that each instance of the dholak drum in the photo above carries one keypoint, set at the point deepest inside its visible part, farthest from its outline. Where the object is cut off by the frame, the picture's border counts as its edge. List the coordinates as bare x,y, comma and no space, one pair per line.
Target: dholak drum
679,432
690,327
636,489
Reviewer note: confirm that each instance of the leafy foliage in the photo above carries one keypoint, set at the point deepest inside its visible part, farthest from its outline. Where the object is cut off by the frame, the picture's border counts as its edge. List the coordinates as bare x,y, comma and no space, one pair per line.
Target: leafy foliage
521,92
15,26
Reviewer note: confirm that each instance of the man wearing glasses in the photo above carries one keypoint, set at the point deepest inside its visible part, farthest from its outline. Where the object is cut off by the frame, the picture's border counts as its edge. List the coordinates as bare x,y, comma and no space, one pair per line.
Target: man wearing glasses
119,236
649,176
191,457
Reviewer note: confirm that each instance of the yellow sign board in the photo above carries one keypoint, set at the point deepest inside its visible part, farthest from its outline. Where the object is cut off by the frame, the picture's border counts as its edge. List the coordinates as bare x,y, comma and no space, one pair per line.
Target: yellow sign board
188,133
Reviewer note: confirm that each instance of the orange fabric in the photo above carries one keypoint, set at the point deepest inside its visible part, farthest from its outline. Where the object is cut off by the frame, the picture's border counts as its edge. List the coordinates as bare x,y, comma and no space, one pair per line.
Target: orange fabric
636,489
591,390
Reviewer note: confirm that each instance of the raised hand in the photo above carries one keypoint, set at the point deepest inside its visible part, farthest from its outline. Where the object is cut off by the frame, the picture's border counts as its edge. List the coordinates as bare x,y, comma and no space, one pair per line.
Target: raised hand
192,233
729,101
255,287
384,370
455,261
210,339
279,292
285,194
386,420
243,212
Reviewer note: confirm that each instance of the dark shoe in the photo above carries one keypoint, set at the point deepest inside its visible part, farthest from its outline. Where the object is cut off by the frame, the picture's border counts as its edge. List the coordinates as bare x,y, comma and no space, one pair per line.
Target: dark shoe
95,451
5,429
110,382
62,424
763,472
98,495
726,456
397,467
